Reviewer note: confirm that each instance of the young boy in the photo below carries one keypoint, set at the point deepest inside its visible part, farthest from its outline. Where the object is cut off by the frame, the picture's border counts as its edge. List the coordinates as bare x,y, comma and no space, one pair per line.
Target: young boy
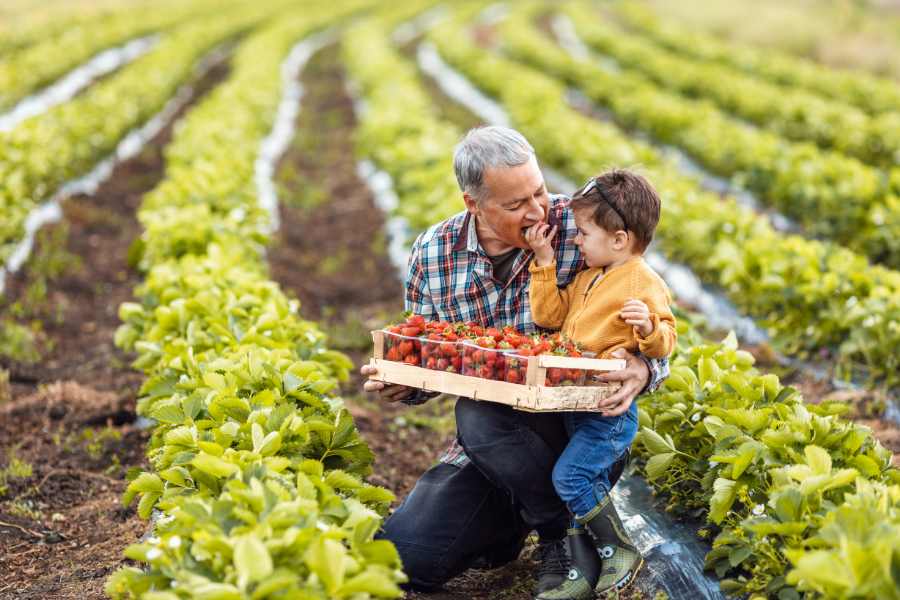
617,302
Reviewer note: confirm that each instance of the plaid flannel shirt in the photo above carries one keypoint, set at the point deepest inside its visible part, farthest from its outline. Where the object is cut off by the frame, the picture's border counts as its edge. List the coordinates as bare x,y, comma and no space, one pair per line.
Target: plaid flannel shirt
451,279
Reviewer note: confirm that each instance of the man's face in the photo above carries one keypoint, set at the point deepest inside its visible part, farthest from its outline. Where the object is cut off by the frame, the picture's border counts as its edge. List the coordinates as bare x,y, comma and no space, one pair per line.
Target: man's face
518,199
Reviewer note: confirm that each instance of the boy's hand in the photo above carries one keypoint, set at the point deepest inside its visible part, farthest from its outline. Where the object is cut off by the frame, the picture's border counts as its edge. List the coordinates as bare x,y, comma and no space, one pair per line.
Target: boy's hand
543,251
636,313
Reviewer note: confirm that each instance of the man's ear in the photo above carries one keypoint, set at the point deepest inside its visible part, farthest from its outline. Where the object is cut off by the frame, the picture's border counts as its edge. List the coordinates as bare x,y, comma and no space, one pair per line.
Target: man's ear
471,205
621,240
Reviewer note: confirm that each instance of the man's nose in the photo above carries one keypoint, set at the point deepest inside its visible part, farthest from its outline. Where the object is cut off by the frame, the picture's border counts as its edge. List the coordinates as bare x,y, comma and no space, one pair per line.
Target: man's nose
535,210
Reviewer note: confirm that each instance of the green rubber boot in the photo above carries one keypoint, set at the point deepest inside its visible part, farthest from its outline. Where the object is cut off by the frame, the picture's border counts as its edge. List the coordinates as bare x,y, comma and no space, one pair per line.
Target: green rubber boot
621,559
584,572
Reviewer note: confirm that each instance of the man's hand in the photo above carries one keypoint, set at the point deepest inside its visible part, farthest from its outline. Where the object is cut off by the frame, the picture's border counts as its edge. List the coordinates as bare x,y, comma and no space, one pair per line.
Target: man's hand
391,393
543,251
637,314
633,378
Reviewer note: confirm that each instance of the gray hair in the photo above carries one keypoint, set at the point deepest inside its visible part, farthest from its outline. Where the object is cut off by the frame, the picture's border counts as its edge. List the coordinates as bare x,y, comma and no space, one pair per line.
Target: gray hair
484,148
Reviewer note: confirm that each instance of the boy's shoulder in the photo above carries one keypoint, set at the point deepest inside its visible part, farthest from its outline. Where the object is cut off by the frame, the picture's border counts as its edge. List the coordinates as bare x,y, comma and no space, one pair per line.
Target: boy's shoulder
648,279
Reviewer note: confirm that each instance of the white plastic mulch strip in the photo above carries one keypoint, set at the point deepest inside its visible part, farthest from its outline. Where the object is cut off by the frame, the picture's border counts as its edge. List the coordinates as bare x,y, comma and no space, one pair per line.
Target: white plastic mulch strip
274,145
66,88
50,212
459,88
419,26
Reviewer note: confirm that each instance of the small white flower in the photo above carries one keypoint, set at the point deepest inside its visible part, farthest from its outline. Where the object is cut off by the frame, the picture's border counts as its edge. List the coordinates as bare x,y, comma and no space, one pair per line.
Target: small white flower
851,301
870,320
759,509
174,542
322,526
728,228
174,584
294,306
696,417
154,553
810,330
237,214
153,540
713,463
183,377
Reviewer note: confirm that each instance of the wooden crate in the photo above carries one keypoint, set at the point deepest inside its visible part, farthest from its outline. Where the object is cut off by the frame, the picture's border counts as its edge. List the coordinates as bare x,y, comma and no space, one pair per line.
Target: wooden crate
534,396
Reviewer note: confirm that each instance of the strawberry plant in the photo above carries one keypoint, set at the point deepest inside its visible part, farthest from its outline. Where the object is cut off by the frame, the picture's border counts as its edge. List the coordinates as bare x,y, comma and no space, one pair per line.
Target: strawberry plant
258,473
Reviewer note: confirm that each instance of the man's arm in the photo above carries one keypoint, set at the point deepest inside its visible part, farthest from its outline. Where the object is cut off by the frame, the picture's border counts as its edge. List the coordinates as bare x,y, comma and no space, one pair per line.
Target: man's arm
418,300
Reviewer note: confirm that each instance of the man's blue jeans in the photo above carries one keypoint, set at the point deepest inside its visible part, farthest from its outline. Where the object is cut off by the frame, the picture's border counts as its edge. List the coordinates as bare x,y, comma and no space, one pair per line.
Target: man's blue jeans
594,445
454,516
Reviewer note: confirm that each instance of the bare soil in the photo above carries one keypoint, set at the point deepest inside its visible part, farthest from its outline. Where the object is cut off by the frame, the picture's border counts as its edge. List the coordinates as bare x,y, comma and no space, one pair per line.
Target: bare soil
63,528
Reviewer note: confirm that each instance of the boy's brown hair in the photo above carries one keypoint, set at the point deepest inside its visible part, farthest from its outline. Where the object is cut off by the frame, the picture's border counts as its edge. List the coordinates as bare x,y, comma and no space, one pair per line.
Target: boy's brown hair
630,195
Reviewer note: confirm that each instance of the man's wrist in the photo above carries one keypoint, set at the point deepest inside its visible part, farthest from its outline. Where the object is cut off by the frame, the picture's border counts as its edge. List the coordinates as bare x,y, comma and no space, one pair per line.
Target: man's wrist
649,381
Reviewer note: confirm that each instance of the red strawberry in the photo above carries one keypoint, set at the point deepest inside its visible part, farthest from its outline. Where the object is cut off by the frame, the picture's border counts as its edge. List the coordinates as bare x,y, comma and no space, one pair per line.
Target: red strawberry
405,348
443,364
451,337
411,331
431,364
467,361
393,355
486,372
478,356
449,350
526,352
477,331
456,362
500,363
435,337
494,333
575,354
513,377
412,359
490,357
554,375
416,321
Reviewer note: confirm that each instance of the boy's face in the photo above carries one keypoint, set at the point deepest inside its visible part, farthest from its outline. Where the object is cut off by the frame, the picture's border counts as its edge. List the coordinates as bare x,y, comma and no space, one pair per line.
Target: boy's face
600,248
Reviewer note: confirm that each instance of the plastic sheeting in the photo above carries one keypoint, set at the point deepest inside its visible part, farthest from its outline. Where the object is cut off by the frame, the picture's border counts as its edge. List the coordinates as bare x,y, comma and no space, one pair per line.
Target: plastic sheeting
66,88
673,553
274,145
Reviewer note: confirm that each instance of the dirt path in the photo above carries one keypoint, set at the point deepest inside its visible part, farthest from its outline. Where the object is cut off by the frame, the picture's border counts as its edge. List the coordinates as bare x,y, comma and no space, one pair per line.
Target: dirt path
69,416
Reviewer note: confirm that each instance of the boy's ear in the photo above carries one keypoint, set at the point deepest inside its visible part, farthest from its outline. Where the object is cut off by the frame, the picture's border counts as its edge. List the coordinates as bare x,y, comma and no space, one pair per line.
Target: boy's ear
621,240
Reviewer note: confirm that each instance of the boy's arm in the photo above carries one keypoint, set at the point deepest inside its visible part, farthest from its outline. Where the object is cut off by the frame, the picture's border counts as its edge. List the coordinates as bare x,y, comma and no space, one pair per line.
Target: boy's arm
549,303
661,342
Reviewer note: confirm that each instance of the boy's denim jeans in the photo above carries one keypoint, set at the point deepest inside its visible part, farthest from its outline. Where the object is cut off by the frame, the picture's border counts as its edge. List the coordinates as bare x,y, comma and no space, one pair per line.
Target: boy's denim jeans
455,516
595,443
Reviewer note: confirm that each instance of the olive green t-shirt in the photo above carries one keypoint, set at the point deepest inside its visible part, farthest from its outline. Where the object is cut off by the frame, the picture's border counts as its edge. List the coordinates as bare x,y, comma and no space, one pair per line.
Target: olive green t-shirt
503,264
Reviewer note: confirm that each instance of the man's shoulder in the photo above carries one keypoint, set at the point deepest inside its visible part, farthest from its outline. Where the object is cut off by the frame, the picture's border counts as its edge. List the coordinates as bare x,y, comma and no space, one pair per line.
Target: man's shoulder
444,232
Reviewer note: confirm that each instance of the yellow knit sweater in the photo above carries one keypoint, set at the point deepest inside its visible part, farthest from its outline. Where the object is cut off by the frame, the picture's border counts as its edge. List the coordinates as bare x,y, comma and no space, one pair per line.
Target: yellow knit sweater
595,319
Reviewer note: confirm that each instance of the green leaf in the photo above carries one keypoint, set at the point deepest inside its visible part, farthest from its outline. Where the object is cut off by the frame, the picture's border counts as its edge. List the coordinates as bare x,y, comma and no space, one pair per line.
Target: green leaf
654,442
148,501
327,559
371,581
818,460
252,558
147,482
659,464
722,500
214,465
738,555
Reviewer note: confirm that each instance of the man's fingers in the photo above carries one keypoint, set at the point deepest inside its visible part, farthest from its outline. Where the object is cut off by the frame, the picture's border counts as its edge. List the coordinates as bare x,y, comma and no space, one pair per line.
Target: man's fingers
616,411
368,370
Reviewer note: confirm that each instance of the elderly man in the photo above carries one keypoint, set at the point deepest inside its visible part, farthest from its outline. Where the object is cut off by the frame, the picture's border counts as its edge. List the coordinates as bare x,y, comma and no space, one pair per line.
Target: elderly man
494,485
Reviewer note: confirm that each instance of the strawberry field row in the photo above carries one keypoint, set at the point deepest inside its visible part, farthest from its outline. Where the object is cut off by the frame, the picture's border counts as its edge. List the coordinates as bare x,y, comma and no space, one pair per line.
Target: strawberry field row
875,95
793,112
49,59
832,196
783,484
40,154
258,474
399,128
